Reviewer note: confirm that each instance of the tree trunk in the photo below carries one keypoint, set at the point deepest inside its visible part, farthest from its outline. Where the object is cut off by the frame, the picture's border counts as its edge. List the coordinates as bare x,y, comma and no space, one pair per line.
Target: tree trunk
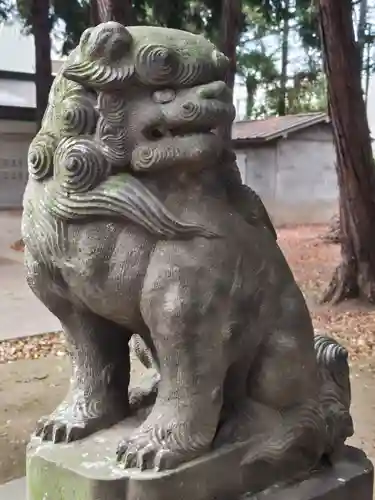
251,88
355,276
368,71
361,30
120,11
231,24
41,29
281,106
94,13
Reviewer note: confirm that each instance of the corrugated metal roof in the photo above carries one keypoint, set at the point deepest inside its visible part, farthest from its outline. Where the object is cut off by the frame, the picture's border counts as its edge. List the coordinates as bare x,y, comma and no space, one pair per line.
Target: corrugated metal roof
275,126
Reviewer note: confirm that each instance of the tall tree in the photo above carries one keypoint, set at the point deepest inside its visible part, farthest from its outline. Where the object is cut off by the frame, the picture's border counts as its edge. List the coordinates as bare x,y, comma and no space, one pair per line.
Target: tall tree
37,16
94,13
41,28
361,29
115,10
231,29
285,14
355,276
257,69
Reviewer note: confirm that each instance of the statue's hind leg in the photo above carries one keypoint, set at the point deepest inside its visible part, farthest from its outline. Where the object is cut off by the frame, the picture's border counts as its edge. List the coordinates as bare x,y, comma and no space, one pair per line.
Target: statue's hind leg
284,378
100,357
184,307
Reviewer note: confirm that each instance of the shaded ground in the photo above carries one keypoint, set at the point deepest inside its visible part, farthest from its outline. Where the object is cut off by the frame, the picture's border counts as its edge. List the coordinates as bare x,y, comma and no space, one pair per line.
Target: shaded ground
32,388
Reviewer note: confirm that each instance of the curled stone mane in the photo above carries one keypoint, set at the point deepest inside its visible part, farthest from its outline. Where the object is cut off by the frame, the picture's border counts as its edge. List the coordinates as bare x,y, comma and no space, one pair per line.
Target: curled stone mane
111,55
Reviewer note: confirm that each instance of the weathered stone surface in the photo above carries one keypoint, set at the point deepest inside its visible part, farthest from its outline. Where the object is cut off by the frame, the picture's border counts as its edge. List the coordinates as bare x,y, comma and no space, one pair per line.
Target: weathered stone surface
131,228
88,471
351,478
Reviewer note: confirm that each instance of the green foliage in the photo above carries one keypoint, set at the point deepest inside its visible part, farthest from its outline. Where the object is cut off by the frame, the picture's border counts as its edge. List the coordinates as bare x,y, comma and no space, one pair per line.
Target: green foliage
309,95
260,59
76,16
197,16
6,8
307,24
258,69
259,56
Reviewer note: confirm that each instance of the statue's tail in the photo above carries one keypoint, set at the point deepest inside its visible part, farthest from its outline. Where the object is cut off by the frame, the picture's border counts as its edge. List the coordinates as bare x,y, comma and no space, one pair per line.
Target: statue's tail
319,428
139,349
335,393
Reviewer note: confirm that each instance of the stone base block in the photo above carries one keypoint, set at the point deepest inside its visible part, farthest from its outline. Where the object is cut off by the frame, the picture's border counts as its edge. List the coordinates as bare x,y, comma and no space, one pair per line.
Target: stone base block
87,470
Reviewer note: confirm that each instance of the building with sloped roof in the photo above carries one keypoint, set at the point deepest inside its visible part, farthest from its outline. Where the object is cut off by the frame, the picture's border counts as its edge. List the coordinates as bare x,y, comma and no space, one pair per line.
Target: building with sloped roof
290,162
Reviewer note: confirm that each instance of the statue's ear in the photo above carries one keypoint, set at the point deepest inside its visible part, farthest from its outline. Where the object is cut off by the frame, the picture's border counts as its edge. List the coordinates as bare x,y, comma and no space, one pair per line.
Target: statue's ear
102,58
221,63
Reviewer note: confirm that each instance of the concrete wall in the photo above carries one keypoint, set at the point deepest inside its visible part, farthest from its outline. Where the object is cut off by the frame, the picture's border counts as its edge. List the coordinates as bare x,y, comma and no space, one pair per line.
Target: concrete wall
295,176
15,138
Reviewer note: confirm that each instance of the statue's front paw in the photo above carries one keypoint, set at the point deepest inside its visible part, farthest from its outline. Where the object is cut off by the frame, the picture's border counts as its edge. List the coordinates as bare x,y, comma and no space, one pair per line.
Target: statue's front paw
71,422
163,443
143,453
58,430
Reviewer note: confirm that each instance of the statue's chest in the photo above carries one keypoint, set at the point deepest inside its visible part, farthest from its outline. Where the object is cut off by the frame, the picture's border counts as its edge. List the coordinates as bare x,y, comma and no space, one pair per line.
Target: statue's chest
104,267
103,264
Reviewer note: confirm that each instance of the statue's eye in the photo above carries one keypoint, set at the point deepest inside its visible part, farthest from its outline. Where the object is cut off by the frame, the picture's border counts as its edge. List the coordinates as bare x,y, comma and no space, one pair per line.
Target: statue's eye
154,133
164,96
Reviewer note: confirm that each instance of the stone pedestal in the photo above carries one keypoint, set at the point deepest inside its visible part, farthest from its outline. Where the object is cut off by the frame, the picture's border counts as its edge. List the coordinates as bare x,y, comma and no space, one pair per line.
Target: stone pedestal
87,470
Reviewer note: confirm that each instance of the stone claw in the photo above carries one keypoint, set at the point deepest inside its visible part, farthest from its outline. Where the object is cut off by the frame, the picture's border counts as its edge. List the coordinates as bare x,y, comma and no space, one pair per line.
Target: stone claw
148,456
166,459
121,450
69,423
59,431
151,450
145,457
127,453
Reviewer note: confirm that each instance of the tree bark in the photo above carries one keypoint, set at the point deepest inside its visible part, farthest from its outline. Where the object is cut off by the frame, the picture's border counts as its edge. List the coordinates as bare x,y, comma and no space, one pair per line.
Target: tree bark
94,13
251,88
361,30
281,105
41,29
355,276
120,11
231,24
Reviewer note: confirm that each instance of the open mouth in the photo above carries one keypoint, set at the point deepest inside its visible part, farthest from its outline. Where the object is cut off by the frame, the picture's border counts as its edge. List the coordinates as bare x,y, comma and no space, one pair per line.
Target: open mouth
158,133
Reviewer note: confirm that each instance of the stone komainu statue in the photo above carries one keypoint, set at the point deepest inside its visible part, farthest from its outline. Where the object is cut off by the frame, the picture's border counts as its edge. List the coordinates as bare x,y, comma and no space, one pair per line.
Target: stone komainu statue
136,222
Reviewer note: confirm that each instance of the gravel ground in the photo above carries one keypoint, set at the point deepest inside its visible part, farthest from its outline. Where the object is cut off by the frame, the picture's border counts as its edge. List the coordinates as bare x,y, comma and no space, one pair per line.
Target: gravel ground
34,371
